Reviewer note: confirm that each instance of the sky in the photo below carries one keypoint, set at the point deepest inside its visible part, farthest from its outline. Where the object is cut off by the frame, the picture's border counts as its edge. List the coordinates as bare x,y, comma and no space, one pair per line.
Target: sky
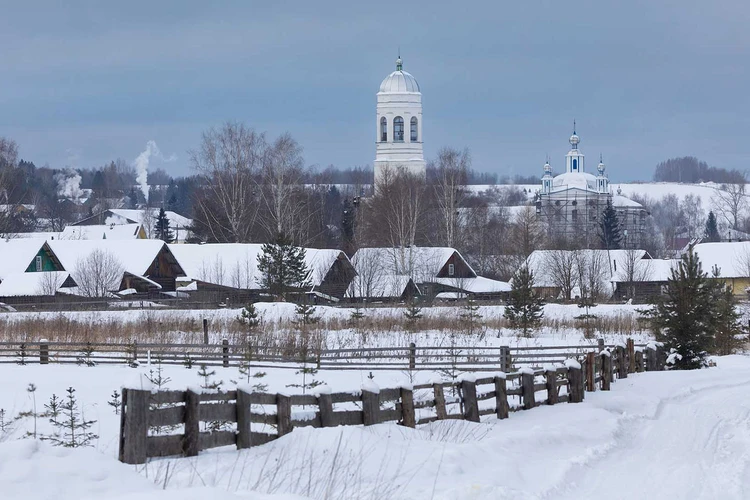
85,83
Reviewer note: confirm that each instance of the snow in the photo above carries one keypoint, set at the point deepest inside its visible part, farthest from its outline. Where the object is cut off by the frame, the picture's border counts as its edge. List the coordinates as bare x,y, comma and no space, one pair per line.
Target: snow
34,283
17,255
572,363
135,256
370,386
673,434
732,258
100,232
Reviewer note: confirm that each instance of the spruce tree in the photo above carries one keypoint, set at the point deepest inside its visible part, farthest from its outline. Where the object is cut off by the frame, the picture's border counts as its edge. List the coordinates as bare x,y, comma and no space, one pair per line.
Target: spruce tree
609,228
712,230
470,317
413,314
162,231
683,318
727,327
524,309
282,266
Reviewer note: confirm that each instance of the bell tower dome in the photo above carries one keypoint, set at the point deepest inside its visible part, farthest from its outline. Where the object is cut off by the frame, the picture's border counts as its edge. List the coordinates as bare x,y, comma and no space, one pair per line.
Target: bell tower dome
398,135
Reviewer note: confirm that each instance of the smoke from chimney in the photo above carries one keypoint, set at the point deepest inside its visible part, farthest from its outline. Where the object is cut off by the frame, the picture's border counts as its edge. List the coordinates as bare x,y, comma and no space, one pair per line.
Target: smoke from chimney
68,184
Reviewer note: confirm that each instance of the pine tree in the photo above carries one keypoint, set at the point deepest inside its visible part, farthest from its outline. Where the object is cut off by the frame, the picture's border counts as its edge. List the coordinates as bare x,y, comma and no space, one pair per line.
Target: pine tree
282,266
305,315
683,319
524,309
249,317
162,231
413,314
470,316
609,228
72,428
712,230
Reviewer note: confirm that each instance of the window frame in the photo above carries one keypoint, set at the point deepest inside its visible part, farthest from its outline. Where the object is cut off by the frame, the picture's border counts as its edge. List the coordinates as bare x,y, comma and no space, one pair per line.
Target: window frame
398,133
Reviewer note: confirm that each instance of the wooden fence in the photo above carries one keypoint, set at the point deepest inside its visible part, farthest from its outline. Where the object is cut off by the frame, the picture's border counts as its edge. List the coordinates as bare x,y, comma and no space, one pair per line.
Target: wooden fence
196,421
410,358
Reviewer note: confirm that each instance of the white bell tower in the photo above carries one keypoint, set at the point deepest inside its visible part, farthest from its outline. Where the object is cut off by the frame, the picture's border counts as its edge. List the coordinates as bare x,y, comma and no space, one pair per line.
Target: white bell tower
398,127
574,158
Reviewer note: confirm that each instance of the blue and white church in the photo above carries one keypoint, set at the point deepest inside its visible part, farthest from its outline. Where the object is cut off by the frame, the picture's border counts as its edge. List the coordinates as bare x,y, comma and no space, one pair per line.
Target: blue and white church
571,203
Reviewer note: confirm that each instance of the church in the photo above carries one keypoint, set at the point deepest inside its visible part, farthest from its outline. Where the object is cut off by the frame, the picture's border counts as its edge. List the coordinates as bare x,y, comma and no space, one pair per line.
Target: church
398,129
571,203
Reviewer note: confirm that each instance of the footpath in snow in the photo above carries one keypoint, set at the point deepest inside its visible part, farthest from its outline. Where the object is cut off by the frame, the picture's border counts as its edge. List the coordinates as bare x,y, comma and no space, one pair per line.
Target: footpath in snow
681,435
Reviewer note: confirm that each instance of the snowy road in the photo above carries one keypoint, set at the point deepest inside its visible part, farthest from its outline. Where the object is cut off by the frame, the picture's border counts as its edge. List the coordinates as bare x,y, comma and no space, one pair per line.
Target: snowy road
696,446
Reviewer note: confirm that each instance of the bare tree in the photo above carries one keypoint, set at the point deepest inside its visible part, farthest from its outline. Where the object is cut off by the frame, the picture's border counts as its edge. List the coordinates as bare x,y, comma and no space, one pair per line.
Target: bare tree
560,269
591,274
49,283
451,170
98,274
730,203
229,160
282,184
528,232
633,269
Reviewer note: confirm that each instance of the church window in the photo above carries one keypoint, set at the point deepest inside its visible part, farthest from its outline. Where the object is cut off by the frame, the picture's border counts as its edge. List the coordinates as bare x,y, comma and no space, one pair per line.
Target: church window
574,215
575,165
414,134
398,129
383,130
575,203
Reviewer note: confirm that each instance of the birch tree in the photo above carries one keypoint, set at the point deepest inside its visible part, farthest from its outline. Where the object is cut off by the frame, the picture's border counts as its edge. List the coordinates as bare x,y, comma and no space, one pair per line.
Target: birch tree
451,170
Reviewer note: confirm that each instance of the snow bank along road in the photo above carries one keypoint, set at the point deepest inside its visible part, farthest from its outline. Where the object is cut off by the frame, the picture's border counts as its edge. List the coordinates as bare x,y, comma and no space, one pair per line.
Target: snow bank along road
665,435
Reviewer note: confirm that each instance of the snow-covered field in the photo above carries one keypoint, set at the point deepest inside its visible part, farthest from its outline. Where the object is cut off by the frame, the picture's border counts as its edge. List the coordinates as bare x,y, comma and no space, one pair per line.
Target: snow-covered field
662,435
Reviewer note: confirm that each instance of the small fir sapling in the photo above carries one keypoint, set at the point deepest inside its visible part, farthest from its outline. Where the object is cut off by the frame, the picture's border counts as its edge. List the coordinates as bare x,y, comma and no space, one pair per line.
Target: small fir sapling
470,317
413,314
72,428
249,317
187,362
5,425
86,354
131,350
207,377
159,381
33,414
21,354
115,401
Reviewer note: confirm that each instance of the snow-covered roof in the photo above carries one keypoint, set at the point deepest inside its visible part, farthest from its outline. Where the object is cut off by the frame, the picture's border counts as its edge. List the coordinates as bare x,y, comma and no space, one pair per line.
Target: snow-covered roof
610,262
135,256
646,270
732,258
17,254
420,263
621,201
580,180
32,284
101,232
399,82
380,286
236,264
143,217
475,285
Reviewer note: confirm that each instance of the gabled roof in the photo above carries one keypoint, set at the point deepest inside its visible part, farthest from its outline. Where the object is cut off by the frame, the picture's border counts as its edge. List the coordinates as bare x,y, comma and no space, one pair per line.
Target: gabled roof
732,258
385,286
17,254
613,262
102,232
135,255
420,263
236,264
33,284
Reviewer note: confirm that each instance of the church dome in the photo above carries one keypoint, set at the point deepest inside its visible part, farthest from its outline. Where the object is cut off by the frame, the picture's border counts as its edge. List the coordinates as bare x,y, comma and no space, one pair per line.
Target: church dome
580,180
399,81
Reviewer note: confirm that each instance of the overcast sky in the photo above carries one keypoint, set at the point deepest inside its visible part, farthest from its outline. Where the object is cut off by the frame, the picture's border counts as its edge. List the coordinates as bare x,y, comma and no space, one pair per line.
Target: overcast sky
645,80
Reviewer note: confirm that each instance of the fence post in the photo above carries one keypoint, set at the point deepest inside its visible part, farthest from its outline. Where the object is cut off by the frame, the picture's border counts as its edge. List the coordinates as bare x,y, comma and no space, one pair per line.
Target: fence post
43,352
600,344
651,364
505,361
325,406
590,371
283,414
471,406
551,383
412,356
575,384
631,355
408,417
661,357
440,410
134,430
225,353
244,409
191,445
205,331
639,361
501,397
527,388
370,407
606,370
622,363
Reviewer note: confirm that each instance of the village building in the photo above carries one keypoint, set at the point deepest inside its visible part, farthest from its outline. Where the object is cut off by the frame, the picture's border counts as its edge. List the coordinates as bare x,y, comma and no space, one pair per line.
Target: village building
30,272
731,260
402,273
219,271
571,203
398,128
179,224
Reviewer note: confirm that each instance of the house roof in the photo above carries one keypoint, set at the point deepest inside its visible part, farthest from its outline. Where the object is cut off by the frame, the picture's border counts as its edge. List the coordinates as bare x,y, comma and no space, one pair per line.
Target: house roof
475,285
654,270
421,263
382,286
236,264
732,258
135,255
17,254
613,261
101,232
22,284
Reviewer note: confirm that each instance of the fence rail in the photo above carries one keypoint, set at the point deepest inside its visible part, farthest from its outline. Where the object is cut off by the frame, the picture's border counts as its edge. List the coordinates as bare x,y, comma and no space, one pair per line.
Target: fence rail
412,357
204,420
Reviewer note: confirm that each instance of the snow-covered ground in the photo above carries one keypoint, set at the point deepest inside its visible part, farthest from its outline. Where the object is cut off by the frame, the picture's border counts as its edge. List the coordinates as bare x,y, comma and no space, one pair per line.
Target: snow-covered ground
659,435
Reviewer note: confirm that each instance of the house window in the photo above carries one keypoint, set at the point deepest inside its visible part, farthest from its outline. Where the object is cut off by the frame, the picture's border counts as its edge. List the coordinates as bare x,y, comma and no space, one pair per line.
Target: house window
398,129
38,262
383,130
414,134
451,269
